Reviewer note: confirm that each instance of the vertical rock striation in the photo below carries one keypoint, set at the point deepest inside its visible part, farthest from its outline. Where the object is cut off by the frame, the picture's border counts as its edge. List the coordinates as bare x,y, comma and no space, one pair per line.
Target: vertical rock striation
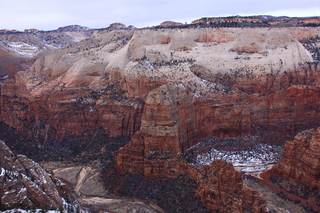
221,189
168,129
301,159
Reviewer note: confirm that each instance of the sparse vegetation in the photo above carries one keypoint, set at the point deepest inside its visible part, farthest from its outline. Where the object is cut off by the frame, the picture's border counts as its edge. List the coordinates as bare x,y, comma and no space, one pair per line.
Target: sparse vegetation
308,198
312,45
71,149
171,195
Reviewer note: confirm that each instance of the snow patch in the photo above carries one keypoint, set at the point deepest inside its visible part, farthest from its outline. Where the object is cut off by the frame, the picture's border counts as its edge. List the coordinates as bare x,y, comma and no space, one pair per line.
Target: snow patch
254,158
23,48
22,190
4,77
30,211
3,172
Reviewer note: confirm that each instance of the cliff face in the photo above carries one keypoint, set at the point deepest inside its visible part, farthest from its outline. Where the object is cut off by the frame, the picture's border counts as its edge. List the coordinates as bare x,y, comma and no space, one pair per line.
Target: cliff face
168,128
9,65
24,184
301,159
106,80
296,176
19,50
221,189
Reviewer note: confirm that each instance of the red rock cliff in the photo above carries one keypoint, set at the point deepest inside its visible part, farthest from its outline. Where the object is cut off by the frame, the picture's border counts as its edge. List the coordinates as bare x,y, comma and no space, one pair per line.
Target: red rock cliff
221,189
301,159
168,129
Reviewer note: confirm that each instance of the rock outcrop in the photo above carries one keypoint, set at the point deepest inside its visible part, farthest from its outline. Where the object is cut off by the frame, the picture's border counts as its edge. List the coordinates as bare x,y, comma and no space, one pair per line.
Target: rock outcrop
9,64
296,176
218,186
168,129
301,159
19,50
221,189
24,184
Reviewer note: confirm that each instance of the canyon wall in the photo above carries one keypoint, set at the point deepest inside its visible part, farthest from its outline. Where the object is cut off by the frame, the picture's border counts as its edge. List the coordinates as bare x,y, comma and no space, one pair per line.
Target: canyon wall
235,79
296,176
300,160
168,89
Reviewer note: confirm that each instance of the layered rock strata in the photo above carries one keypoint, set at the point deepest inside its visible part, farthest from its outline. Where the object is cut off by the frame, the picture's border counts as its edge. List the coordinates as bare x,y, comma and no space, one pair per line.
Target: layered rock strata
296,176
235,79
19,50
24,184
301,159
167,131
221,189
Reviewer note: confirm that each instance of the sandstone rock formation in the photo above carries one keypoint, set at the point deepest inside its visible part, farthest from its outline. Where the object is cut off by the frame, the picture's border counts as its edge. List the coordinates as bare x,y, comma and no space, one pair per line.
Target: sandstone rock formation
9,64
296,176
106,80
301,159
24,184
221,189
19,50
167,130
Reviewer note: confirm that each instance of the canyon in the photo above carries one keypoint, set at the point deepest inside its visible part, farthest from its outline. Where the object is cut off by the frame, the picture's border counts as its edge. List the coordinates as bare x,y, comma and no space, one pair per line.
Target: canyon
137,102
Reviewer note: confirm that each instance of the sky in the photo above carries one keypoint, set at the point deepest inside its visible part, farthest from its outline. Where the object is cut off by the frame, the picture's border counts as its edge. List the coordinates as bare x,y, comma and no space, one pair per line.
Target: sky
52,14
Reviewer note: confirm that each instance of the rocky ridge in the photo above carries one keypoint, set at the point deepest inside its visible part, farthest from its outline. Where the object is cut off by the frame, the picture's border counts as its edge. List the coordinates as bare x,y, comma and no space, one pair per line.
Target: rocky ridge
259,21
221,189
300,159
296,177
18,50
24,184
166,133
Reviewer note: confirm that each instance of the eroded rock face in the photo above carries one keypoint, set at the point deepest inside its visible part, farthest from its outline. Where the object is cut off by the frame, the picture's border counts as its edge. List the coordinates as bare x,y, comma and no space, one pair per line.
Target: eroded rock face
167,130
9,64
73,112
155,151
301,159
19,50
219,186
235,78
24,184
221,189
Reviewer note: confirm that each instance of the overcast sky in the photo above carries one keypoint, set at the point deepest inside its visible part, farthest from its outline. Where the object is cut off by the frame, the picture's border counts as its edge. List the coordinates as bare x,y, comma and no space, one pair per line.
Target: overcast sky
52,14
